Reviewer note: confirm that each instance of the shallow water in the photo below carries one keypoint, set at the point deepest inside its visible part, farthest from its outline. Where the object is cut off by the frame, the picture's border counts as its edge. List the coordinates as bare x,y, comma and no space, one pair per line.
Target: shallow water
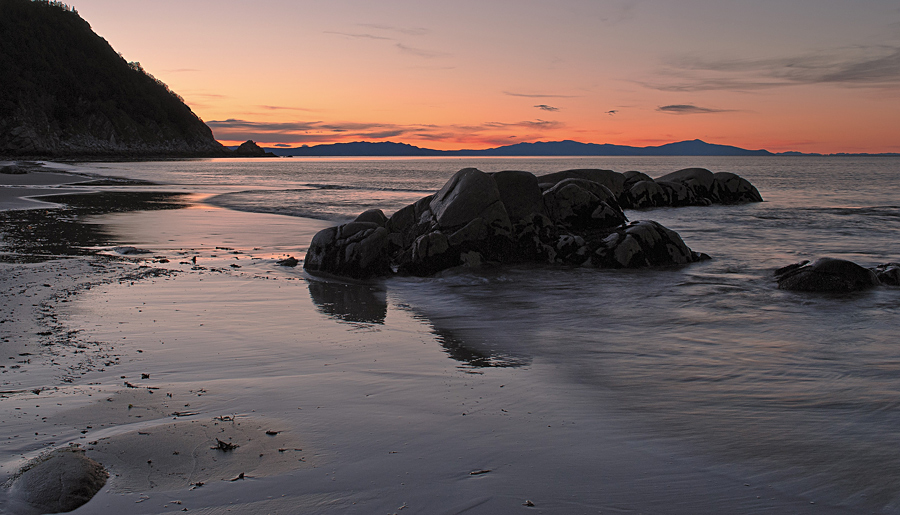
710,353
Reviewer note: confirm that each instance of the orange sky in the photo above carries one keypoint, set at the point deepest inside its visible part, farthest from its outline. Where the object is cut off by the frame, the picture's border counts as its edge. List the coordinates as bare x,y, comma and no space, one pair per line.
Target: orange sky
782,75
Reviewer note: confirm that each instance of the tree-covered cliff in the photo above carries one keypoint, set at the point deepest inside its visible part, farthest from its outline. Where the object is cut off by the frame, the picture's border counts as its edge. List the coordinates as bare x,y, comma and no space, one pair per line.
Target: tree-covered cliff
65,92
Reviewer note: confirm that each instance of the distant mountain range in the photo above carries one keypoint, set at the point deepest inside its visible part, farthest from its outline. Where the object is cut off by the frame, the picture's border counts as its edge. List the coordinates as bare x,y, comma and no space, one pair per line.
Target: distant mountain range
541,148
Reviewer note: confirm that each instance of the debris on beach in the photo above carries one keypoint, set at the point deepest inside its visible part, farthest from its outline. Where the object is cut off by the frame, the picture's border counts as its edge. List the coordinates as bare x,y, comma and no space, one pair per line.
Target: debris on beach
224,446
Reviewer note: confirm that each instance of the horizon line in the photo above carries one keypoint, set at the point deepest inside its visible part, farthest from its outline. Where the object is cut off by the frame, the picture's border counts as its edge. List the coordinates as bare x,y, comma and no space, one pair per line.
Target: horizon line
778,153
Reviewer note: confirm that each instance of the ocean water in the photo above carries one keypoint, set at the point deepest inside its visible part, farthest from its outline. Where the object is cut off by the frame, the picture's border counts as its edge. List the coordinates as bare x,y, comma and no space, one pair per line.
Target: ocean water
712,354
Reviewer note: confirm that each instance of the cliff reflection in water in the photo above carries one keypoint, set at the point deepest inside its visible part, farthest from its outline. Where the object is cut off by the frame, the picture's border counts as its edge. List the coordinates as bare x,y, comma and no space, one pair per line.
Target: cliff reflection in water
358,303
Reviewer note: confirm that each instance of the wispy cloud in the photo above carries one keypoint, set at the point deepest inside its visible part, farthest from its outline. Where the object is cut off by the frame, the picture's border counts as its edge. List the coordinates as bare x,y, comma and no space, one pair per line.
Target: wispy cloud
864,66
357,35
285,108
545,107
418,52
407,31
531,124
612,112
208,96
689,109
536,95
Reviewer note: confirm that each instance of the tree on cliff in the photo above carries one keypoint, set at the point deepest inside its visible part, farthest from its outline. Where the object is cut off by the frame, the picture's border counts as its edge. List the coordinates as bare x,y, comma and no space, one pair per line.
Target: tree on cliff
65,91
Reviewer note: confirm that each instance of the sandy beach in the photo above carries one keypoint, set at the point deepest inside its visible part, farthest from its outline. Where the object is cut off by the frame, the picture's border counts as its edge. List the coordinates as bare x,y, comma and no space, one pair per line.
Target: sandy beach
166,331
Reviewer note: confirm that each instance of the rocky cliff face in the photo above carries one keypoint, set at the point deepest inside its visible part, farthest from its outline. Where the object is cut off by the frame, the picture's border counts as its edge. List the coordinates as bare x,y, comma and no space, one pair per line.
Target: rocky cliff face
65,92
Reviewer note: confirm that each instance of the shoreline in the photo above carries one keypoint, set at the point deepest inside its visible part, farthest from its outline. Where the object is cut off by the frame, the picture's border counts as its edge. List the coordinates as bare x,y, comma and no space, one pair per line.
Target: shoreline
385,417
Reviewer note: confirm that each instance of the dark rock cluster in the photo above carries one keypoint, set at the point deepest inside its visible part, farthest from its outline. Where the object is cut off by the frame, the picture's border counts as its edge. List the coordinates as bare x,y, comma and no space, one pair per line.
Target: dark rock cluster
572,217
836,276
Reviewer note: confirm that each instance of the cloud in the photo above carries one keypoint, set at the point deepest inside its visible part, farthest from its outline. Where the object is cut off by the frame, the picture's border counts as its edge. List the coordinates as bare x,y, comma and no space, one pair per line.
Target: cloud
864,66
545,107
357,36
689,109
408,31
418,52
536,95
322,132
612,112
210,96
532,124
285,108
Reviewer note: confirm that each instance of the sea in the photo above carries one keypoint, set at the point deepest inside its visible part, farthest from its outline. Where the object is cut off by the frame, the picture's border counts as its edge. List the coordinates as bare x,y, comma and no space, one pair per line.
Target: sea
712,354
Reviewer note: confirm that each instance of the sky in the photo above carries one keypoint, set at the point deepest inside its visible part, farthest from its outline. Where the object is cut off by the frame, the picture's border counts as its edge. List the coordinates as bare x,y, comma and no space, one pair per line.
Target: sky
805,75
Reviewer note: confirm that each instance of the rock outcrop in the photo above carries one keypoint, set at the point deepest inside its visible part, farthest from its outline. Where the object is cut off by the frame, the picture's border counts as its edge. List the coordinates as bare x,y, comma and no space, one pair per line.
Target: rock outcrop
835,276
574,217
64,92
687,187
249,148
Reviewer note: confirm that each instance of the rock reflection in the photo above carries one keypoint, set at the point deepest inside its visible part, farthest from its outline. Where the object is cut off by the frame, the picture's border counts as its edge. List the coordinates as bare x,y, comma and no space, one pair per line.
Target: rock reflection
473,357
362,303
357,303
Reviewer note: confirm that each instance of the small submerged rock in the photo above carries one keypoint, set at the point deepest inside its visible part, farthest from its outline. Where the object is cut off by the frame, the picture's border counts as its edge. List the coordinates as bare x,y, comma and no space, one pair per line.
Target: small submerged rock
888,273
58,482
129,251
572,217
827,275
289,261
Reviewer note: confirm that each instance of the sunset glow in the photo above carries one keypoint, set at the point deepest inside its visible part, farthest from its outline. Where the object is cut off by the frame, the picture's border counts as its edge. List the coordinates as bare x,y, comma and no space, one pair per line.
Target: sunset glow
791,75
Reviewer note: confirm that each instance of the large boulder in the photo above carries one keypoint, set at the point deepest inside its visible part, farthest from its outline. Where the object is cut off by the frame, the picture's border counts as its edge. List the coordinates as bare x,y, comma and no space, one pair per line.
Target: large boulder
679,194
730,188
520,194
356,249
375,216
583,203
615,181
469,194
699,180
58,482
645,194
633,177
643,244
826,275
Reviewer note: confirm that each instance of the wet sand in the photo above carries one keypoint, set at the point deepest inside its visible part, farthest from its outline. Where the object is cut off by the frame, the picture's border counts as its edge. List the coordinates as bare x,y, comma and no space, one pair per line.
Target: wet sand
339,398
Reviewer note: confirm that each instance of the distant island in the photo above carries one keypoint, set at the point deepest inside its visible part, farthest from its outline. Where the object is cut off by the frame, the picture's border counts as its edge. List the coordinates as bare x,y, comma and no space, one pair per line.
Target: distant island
538,149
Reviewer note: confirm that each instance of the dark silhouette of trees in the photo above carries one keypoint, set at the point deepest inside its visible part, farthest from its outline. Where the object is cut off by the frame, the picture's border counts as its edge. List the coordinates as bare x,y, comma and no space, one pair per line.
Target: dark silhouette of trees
66,84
